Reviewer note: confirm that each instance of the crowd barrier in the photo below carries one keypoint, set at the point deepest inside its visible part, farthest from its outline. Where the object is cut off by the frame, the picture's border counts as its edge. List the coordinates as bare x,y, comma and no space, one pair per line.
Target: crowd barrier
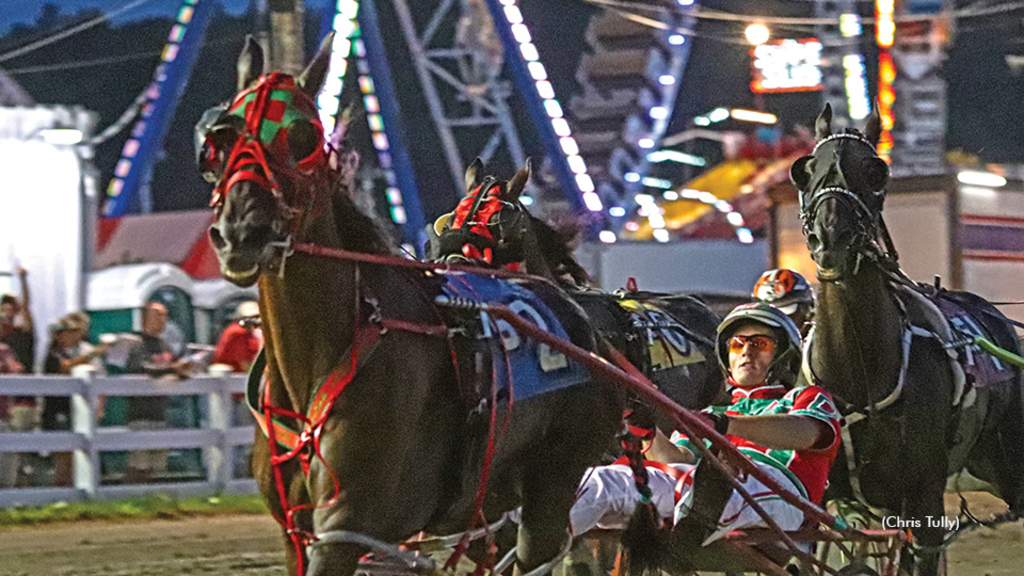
221,431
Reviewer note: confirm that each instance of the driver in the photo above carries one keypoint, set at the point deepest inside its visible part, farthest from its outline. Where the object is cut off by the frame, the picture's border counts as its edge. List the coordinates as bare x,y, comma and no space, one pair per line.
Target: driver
788,291
792,434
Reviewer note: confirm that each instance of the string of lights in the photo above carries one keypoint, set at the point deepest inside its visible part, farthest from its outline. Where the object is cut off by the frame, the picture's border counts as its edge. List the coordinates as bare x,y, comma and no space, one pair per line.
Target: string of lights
132,147
553,108
347,44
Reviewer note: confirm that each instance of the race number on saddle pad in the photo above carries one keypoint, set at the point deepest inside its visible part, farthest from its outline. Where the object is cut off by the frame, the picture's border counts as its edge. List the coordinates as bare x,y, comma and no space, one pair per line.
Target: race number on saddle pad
535,367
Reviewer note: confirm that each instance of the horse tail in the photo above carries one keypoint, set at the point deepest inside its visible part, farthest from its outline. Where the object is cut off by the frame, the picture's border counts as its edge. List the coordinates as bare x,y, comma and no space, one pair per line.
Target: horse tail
645,540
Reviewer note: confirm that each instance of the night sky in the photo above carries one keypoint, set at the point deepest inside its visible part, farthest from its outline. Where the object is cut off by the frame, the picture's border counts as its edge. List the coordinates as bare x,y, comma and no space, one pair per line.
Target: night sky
985,96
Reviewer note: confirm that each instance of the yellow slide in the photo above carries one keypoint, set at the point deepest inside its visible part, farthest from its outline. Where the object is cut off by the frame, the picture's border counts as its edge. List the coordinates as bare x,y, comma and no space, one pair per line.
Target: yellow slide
724,181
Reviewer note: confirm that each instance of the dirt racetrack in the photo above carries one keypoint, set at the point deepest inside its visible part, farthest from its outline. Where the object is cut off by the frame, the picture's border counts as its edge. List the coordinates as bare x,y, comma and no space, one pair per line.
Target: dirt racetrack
251,546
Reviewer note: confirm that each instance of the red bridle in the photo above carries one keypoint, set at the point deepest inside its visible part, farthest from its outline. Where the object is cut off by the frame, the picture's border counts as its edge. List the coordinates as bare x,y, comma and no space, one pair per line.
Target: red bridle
250,160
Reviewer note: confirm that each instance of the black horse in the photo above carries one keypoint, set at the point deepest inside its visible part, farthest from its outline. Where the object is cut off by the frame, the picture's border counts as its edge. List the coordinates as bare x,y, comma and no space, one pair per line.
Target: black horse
892,353
668,337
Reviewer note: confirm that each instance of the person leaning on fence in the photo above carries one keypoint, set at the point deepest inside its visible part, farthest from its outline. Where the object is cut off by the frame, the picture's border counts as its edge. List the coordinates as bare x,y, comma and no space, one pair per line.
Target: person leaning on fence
151,356
67,350
792,434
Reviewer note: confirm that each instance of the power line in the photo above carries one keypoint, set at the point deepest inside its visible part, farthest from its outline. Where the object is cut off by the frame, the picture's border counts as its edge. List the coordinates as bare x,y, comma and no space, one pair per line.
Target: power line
71,31
104,61
632,7
80,64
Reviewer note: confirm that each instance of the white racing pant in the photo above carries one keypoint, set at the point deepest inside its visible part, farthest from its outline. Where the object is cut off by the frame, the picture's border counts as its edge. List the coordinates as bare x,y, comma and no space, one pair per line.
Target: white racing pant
608,497
738,514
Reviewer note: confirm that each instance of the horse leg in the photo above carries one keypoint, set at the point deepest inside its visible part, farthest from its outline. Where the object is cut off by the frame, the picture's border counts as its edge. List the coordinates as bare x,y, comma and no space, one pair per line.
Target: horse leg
926,506
549,490
264,474
1008,461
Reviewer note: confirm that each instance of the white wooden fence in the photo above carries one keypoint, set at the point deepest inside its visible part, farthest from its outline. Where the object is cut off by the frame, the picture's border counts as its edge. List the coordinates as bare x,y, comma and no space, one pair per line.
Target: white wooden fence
216,436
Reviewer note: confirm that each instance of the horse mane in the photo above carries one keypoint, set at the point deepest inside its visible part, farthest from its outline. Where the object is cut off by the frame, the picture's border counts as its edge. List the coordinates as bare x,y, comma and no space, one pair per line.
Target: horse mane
557,238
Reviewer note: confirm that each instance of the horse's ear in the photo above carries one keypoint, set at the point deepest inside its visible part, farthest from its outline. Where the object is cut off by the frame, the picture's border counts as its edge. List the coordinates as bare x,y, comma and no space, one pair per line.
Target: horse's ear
312,78
823,125
873,129
518,182
250,63
799,172
473,174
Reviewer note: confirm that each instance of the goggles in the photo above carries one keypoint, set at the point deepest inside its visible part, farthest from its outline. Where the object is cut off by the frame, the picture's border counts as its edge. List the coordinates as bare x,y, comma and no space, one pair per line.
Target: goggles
758,342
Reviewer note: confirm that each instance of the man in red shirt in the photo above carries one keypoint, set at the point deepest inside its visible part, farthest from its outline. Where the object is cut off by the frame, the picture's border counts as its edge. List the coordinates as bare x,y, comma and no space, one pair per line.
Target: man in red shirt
242,340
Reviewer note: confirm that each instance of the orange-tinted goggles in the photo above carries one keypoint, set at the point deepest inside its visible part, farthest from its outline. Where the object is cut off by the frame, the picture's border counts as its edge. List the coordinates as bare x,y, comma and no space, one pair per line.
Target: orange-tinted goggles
758,342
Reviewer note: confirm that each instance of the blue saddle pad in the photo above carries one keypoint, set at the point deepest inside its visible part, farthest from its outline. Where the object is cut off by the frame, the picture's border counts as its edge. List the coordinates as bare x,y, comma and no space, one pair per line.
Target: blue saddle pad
535,368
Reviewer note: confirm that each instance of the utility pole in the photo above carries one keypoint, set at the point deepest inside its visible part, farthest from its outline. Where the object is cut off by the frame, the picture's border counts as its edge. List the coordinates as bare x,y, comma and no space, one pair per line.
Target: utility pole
286,36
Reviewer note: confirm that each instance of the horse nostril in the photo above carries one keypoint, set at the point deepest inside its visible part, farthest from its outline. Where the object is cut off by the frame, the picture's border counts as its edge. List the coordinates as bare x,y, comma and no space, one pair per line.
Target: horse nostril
216,239
813,242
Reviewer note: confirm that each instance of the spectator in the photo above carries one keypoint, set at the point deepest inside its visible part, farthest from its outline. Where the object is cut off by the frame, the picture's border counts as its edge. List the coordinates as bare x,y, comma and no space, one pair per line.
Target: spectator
17,331
10,462
16,326
152,356
242,340
67,350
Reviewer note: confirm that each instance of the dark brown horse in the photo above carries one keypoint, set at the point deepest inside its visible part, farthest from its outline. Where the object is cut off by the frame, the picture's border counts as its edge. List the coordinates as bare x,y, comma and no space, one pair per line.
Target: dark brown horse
398,450
669,337
883,346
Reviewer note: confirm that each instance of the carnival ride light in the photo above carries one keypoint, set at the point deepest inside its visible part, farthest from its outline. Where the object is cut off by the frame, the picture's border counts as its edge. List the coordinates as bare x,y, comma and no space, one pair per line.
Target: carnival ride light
675,156
656,183
646,143
670,195
856,87
661,235
676,39
885,25
344,25
849,25
977,178
753,116
607,236
617,211
757,33
631,177
718,115
666,79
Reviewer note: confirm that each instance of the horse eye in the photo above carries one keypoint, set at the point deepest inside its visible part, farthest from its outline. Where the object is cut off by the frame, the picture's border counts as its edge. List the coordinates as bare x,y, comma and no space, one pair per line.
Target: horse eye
302,139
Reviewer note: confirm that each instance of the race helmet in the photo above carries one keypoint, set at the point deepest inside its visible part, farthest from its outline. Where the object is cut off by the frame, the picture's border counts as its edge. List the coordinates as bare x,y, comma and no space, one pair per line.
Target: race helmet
785,366
785,289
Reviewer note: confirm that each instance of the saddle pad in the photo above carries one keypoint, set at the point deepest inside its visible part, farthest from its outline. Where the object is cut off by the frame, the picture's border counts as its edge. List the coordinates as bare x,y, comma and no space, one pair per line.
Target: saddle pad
986,370
535,368
666,338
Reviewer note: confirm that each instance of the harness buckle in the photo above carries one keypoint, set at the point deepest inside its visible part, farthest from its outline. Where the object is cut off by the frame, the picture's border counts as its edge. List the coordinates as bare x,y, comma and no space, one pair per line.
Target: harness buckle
286,251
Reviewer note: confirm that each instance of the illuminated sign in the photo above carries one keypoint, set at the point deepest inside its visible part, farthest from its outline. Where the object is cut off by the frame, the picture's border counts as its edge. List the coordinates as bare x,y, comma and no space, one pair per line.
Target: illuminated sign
787,66
856,87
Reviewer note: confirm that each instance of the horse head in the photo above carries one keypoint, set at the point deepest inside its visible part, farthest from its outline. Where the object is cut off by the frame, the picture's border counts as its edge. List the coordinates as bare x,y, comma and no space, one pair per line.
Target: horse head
489,223
841,187
266,153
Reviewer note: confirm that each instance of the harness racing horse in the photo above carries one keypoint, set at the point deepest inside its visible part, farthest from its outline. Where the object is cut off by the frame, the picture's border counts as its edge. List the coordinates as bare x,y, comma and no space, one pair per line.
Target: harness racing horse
668,337
918,403
366,438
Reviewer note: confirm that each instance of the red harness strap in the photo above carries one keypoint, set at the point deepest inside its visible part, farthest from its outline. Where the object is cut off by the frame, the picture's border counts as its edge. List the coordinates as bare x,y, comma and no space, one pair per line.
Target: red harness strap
306,444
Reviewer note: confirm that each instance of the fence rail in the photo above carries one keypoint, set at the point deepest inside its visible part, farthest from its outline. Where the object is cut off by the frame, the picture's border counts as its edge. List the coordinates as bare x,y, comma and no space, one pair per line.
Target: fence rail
217,436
